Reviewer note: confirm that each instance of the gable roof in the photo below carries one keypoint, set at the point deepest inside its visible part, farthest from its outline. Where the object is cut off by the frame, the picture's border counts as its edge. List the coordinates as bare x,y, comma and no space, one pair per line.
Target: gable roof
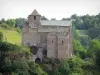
35,12
55,23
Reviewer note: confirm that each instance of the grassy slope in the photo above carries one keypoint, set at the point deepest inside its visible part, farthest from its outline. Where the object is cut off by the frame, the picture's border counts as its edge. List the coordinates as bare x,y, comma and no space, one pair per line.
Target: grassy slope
82,32
11,35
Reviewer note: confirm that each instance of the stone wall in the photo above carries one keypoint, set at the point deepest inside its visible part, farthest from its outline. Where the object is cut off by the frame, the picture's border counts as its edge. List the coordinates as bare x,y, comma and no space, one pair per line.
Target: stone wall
57,40
51,45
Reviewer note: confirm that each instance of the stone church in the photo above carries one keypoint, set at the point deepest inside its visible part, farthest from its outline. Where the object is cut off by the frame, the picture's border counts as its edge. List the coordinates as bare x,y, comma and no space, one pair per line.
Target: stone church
51,38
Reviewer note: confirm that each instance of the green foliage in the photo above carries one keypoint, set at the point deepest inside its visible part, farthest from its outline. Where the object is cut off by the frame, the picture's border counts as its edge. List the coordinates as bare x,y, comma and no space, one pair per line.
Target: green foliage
86,22
75,66
77,46
74,33
11,22
98,59
64,68
78,22
70,67
85,41
94,32
78,49
20,67
43,18
93,48
94,52
1,36
53,18
2,21
35,69
18,30
5,46
11,36
19,22
74,16
4,25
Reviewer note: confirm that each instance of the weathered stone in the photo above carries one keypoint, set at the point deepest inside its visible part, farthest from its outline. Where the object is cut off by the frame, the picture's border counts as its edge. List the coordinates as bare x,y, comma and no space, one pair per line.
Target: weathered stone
56,39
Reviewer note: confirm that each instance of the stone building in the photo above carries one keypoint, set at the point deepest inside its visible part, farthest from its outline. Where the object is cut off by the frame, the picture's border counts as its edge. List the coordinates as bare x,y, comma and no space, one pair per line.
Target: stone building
51,38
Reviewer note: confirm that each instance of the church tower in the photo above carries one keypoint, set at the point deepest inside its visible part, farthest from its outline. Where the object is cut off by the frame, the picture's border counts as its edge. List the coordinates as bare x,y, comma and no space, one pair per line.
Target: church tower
34,19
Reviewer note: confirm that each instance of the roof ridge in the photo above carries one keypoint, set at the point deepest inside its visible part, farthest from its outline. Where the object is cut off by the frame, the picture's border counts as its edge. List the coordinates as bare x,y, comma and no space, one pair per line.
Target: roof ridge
35,12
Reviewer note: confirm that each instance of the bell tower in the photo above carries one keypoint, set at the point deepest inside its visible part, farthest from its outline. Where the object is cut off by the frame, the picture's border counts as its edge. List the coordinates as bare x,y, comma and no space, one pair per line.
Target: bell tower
34,19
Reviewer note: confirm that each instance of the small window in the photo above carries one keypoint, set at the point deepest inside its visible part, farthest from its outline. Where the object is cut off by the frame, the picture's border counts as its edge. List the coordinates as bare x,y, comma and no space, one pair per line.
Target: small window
62,42
28,44
34,17
52,41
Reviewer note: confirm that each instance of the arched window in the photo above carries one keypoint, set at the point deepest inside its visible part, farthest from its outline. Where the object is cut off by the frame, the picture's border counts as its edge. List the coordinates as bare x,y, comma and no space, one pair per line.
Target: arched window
34,17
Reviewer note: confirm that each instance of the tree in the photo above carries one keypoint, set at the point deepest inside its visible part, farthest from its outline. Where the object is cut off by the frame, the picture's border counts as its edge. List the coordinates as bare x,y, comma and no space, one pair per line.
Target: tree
64,68
98,58
94,32
66,19
19,22
4,25
94,47
18,30
85,41
78,23
5,64
53,18
11,22
78,49
2,21
74,16
43,18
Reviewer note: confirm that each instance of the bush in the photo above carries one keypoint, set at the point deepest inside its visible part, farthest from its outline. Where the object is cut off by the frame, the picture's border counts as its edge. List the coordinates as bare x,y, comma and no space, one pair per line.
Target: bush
1,36
4,25
18,30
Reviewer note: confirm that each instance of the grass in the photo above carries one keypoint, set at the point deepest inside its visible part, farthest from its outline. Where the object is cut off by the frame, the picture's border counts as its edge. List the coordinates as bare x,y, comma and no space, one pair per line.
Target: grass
82,32
11,35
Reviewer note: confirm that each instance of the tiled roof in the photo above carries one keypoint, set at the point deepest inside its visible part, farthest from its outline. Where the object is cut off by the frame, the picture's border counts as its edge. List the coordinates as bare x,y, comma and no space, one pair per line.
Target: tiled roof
55,23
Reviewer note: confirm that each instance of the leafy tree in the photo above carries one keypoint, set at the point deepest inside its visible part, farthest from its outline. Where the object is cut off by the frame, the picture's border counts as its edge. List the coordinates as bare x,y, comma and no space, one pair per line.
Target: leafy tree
18,30
77,46
75,65
19,22
94,47
4,25
98,58
70,67
85,41
2,21
66,19
74,16
94,32
78,23
74,34
5,66
53,18
78,49
43,18
11,22
35,69
64,68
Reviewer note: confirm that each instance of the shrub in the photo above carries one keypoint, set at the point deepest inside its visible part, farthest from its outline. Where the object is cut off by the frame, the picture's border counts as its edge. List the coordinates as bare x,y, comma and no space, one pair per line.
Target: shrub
1,36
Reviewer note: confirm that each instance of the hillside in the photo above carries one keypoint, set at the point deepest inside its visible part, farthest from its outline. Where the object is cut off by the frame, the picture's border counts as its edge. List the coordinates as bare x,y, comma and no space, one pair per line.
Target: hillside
82,32
11,35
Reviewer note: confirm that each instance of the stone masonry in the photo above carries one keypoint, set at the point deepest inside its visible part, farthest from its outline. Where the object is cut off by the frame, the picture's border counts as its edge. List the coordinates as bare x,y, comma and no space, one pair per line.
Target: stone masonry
52,36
